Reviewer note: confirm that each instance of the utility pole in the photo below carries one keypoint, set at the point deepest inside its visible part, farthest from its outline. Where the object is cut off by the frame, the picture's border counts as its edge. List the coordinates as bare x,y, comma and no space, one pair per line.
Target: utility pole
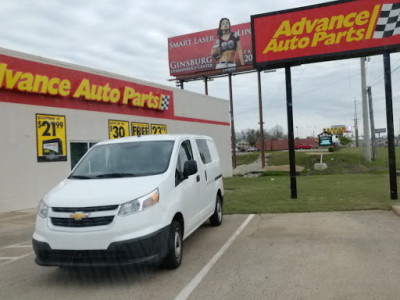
356,123
367,147
371,117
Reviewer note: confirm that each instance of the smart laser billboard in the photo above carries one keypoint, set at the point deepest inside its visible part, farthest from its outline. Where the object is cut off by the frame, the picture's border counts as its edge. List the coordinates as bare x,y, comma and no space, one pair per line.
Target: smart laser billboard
191,55
328,31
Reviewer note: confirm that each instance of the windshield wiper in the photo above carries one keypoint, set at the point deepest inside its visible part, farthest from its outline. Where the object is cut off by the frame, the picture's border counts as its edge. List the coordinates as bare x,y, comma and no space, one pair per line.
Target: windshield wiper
115,175
79,177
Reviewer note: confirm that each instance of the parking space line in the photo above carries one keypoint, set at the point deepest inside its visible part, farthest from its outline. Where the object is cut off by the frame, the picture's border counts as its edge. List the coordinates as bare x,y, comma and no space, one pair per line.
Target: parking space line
199,277
12,259
18,246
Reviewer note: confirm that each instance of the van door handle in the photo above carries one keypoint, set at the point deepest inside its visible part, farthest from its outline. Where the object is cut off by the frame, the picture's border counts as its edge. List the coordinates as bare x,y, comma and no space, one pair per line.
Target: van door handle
205,174
198,178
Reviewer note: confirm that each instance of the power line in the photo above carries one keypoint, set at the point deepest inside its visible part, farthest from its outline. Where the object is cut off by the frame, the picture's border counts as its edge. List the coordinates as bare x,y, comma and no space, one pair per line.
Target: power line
380,78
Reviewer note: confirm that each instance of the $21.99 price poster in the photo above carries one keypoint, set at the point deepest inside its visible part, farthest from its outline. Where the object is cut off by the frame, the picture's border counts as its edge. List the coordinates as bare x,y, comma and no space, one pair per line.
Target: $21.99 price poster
51,138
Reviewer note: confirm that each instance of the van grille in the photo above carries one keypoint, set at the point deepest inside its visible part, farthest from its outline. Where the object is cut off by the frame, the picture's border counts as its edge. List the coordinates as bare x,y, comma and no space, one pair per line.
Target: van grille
87,222
84,209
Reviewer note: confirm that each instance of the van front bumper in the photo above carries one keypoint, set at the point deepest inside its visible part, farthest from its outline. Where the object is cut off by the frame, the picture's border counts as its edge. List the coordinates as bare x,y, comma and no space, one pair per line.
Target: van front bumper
149,249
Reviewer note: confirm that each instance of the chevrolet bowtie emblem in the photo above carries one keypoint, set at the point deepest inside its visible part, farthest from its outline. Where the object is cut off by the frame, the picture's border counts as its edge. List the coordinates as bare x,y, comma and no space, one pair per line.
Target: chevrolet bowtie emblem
78,216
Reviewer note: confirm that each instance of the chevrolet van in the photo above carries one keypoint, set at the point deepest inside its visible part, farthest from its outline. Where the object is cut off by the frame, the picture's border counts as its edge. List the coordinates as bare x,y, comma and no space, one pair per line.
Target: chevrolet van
131,200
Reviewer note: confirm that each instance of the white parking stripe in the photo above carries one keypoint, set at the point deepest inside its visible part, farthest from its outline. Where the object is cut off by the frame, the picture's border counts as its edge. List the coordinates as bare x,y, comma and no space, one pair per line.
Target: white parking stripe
199,277
12,259
18,246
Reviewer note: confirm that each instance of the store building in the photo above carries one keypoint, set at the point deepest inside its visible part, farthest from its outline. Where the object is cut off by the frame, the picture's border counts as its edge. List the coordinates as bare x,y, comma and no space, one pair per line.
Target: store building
52,112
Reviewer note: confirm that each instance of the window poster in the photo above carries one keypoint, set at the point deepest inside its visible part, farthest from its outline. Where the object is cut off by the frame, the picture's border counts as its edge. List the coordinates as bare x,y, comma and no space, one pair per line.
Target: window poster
158,129
139,129
51,138
118,129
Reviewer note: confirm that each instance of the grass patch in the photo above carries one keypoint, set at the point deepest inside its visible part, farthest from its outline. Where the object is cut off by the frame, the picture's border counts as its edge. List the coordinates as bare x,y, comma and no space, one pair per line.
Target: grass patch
315,193
246,158
344,161
274,173
349,183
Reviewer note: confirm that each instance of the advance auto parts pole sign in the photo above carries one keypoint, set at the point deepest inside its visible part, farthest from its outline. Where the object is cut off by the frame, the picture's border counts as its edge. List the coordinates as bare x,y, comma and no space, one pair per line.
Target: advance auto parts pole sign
328,31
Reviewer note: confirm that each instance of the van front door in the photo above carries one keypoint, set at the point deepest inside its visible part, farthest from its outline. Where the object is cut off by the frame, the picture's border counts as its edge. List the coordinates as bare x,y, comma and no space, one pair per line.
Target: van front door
188,190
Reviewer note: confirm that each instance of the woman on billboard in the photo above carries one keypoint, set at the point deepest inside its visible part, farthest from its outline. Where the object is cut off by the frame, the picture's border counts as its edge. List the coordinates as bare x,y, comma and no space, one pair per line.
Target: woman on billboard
228,43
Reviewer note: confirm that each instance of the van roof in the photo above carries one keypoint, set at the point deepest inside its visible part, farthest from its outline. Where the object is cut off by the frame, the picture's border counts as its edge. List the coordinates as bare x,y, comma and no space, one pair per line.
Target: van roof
153,137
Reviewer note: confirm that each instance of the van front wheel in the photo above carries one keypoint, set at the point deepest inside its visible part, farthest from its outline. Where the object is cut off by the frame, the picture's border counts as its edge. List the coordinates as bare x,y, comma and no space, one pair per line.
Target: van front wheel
216,218
174,247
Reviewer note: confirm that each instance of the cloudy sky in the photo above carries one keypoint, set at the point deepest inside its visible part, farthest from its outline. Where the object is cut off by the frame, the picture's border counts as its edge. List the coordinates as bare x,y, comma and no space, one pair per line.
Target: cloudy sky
130,37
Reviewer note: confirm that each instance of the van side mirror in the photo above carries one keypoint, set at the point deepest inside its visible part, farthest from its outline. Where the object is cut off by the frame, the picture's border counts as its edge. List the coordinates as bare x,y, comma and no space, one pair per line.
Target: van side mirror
189,168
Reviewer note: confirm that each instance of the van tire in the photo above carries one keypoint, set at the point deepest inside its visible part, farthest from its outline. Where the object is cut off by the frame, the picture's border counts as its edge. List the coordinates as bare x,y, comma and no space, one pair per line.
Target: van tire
216,218
174,246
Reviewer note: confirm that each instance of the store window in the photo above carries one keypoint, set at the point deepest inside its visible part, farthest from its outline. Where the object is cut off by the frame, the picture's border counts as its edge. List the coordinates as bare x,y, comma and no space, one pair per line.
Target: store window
78,149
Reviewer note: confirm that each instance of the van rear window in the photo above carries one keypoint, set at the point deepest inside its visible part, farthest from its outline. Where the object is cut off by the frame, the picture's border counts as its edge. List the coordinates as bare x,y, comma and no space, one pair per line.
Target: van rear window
204,151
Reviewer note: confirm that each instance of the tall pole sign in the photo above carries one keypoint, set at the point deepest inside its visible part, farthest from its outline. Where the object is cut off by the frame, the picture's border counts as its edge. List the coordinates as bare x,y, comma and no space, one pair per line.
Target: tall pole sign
324,32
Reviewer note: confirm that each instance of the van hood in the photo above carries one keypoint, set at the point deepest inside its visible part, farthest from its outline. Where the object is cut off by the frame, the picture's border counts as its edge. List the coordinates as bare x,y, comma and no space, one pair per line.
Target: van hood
99,192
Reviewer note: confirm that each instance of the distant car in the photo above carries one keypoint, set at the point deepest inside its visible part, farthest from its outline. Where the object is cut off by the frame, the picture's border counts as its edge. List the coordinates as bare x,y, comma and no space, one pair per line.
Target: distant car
252,149
302,146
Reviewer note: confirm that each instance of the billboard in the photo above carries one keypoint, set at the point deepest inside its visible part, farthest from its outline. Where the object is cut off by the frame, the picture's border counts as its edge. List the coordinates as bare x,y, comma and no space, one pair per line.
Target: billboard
328,31
226,49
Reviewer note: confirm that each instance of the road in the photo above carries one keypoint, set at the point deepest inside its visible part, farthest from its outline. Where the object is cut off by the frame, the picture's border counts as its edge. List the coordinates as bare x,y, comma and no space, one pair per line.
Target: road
335,255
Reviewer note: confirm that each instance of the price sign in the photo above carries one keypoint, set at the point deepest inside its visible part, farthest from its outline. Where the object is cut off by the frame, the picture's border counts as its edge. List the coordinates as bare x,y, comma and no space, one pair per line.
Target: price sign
158,129
118,129
139,129
51,138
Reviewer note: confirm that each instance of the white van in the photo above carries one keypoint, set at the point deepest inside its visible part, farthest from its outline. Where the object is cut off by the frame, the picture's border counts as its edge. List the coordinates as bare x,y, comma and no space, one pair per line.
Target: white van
131,200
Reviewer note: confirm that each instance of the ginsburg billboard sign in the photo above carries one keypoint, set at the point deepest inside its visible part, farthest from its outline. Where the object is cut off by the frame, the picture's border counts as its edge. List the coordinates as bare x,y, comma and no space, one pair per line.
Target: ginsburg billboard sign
211,52
328,31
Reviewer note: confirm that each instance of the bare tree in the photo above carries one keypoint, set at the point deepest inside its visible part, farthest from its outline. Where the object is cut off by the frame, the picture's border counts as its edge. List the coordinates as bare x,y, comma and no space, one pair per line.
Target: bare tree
253,135
276,133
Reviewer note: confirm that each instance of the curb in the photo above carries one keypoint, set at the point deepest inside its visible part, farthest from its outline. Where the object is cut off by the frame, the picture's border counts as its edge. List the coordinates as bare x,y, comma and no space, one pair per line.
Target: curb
396,209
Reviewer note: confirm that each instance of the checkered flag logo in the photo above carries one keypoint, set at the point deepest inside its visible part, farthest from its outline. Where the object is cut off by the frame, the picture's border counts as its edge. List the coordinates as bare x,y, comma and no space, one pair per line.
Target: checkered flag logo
164,102
388,22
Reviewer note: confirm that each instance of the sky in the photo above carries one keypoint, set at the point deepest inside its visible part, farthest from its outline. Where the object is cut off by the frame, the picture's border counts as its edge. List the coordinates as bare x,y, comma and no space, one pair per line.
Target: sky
130,37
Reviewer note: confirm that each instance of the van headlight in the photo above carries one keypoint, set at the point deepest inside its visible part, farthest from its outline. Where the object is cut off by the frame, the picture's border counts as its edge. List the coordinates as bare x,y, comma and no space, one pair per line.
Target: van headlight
42,209
139,204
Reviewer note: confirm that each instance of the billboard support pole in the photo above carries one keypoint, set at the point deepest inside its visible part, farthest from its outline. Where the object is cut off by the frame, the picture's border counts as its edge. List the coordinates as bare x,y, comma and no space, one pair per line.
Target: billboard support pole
289,105
232,124
206,85
261,121
390,127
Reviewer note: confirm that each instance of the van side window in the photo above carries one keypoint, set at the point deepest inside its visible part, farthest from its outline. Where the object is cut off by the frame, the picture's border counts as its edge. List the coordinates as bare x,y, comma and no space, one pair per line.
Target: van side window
213,151
204,151
185,153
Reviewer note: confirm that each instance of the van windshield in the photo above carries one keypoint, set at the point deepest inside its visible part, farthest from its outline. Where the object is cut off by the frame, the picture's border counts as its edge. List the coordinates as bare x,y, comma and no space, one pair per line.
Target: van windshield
124,160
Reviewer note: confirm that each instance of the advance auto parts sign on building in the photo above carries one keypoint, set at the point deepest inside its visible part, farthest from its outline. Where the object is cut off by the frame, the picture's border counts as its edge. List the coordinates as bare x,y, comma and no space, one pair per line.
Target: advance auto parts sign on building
33,83
327,31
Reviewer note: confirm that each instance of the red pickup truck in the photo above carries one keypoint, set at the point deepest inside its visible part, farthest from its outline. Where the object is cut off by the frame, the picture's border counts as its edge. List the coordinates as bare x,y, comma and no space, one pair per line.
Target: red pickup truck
302,146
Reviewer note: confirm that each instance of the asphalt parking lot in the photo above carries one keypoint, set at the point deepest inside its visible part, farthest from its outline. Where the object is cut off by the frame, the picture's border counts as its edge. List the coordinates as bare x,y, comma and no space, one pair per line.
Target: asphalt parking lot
334,255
